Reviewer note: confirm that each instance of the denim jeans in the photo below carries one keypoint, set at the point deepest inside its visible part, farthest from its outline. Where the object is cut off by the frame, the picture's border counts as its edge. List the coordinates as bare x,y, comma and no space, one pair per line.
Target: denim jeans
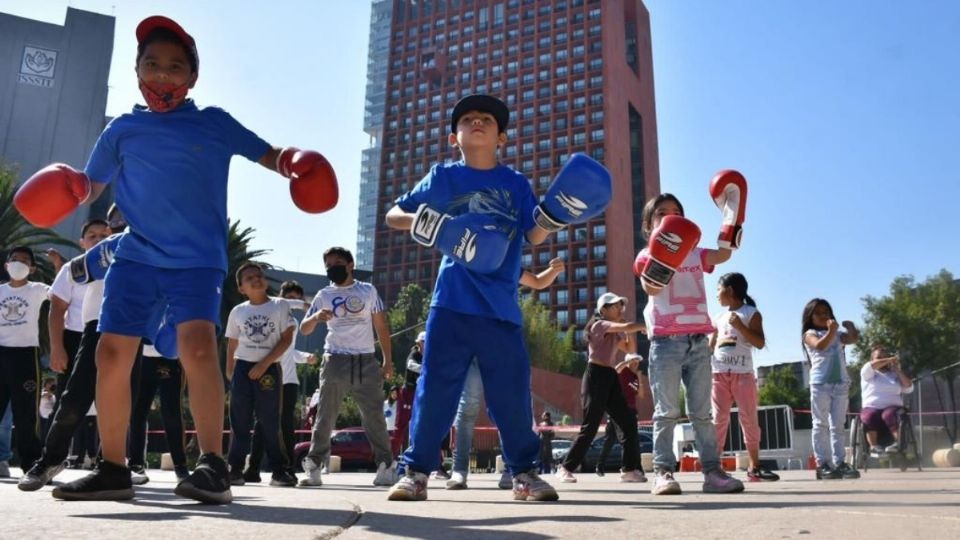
6,430
466,418
829,405
675,359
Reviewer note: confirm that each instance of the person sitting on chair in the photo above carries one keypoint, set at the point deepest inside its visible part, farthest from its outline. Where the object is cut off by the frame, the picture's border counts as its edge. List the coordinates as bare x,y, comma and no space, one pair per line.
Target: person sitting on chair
882,384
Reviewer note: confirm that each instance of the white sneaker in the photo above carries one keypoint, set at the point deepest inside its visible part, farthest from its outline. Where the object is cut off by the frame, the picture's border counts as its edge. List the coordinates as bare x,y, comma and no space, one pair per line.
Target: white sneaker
457,480
411,487
138,475
506,480
386,474
313,473
565,476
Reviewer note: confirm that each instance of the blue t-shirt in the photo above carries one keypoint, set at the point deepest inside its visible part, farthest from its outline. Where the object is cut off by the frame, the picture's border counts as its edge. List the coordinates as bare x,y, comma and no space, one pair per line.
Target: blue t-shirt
500,192
169,172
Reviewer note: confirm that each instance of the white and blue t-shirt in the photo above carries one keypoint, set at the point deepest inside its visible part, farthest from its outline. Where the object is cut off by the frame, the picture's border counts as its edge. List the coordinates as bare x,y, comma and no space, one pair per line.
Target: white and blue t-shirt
350,331
500,192
169,172
827,366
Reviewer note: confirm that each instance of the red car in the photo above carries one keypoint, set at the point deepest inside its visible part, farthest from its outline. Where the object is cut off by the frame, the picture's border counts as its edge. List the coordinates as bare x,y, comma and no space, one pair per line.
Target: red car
350,444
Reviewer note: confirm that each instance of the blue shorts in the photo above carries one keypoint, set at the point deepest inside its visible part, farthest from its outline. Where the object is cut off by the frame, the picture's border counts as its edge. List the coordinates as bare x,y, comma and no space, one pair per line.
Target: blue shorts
137,297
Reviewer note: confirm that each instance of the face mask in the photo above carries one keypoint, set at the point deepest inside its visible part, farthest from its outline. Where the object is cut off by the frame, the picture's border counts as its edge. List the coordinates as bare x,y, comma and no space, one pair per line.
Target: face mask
337,273
163,97
17,270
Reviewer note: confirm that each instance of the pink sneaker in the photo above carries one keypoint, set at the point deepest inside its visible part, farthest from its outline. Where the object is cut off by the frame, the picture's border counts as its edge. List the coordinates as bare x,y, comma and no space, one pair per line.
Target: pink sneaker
634,476
565,476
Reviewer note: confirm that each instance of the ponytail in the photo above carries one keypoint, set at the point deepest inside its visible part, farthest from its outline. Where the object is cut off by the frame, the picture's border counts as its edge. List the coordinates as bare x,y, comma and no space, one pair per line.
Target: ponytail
738,284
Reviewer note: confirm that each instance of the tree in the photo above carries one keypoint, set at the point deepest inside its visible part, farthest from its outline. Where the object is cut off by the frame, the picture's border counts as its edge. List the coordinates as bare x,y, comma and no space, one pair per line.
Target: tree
549,346
407,318
781,387
16,231
922,323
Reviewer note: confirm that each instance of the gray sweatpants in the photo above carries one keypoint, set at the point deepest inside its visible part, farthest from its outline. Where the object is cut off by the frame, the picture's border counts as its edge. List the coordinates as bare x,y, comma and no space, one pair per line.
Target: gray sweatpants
360,375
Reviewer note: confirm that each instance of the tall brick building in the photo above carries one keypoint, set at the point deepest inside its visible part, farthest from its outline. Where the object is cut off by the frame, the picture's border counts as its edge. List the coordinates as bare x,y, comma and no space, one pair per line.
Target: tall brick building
577,76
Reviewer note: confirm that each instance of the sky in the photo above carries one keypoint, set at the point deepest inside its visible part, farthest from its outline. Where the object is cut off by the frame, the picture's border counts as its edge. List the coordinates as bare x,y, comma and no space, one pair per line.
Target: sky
843,116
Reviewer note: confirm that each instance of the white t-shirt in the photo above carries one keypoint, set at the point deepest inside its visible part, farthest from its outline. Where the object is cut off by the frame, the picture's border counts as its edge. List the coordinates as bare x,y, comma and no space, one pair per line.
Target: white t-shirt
350,331
881,389
733,354
289,361
72,293
92,298
258,327
47,401
681,308
20,314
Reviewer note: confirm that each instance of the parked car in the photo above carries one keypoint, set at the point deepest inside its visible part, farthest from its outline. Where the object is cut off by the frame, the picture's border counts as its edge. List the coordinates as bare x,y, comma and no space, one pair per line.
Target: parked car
612,462
350,444
560,447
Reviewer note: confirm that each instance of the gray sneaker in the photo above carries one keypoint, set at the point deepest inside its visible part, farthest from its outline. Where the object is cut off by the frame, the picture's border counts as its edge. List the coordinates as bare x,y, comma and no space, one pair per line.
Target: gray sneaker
39,475
4,469
718,481
458,480
528,486
664,484
411,487
386,474
313,474
506,480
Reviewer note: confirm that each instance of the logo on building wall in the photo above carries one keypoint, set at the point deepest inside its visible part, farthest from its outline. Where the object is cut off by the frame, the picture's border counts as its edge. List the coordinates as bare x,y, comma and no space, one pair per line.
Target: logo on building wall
37,67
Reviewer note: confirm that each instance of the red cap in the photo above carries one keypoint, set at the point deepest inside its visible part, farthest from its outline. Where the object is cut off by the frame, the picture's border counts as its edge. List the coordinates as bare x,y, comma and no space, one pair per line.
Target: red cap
150,24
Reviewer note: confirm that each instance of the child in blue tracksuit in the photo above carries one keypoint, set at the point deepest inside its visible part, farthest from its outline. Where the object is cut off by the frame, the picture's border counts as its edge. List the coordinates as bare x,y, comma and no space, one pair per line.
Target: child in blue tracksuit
475,312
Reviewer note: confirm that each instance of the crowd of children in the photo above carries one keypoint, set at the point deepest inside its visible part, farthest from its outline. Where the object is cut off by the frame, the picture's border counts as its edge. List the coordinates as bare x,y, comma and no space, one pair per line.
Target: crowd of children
158,286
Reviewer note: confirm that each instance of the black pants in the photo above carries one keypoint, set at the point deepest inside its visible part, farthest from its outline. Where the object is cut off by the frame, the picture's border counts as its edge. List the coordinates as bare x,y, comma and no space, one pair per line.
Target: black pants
86,439
20,388
158,374
288,407
78,393
262,396
71,344
600,393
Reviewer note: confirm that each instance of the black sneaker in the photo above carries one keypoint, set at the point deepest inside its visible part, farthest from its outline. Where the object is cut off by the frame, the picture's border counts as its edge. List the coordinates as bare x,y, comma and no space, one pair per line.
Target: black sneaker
108,482
847,472
39,475
826,472
181,471
761,474
209,483
282,478
251,475
600,470
236,476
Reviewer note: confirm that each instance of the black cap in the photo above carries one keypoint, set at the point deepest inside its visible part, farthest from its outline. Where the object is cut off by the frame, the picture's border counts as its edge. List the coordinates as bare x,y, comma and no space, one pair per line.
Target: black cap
482,103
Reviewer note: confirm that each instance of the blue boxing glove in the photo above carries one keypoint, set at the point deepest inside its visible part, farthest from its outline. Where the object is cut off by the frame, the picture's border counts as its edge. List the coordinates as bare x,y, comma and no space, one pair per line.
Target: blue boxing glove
93,265
473,240
581,191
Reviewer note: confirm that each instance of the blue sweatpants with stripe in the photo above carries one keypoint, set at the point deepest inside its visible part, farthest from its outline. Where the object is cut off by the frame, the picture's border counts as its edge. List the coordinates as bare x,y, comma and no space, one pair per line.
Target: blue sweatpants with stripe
453,340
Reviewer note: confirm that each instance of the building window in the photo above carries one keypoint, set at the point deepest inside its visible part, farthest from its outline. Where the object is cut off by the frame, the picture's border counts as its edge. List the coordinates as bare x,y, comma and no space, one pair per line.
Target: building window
600,271
562,297
581,316
599,251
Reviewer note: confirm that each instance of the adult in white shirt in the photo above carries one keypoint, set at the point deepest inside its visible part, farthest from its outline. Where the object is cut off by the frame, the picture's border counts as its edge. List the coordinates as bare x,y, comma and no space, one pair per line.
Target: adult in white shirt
352,311
882,385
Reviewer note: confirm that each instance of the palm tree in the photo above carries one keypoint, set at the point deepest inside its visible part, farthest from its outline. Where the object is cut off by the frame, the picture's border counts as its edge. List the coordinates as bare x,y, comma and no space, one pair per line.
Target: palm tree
238,252
16,231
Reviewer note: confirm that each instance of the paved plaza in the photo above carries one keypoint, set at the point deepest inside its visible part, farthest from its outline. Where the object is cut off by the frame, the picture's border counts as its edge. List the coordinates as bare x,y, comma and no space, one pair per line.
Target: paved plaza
882,504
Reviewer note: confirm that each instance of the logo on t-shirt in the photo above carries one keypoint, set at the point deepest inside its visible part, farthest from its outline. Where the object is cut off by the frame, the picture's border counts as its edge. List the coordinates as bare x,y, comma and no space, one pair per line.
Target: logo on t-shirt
258,328
13,308
344,305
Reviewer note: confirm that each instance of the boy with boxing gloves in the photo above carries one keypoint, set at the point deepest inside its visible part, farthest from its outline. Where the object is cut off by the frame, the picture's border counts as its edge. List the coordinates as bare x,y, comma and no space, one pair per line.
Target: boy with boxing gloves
169,162
477,212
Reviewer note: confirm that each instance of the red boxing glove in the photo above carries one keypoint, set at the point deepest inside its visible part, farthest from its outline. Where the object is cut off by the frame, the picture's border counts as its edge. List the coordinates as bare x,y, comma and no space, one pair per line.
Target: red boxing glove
51,194
729,190
313,184
670,243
